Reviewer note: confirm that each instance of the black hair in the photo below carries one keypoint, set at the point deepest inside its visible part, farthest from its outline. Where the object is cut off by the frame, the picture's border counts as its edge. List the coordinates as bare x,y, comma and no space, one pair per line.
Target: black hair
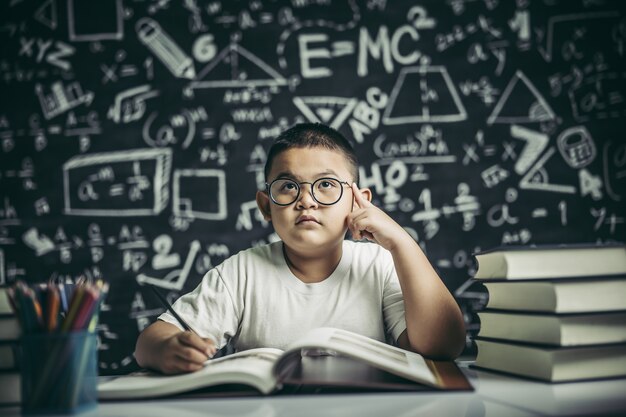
309,135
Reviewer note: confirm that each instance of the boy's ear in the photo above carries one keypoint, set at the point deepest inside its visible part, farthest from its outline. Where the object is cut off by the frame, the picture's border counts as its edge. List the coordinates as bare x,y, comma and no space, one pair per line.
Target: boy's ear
263,202
367,193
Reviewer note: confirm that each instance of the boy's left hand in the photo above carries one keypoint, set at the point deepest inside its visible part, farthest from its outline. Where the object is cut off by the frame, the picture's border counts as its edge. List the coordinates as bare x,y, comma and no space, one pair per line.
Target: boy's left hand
369,222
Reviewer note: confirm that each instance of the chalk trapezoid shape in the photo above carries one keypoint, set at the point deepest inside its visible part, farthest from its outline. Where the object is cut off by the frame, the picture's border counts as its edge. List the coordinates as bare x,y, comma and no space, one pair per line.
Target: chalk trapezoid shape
424,94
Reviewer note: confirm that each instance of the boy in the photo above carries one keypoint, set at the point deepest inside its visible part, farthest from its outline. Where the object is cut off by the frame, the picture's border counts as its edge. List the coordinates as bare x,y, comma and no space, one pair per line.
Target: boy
269,295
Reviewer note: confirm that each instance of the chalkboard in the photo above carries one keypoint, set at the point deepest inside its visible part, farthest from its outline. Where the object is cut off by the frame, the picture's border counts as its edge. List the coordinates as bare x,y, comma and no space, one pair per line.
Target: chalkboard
133,133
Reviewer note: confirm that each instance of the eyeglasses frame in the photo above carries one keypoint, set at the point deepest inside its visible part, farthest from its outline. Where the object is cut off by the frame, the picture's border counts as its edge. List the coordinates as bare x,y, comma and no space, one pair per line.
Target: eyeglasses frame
298,183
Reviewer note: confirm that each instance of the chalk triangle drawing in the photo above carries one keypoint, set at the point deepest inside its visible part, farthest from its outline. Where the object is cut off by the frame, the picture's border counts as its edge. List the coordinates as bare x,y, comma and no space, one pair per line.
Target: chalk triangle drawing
537,177
521,102
424,94
332,111
235,66
47,14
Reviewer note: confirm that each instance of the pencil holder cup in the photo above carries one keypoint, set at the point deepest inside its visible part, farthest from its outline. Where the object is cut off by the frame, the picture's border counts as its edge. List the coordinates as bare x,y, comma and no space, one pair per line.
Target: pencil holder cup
59,373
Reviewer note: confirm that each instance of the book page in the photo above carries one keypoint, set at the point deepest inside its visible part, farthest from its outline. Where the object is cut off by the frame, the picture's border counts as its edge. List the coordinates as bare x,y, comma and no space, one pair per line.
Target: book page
252,367
407,364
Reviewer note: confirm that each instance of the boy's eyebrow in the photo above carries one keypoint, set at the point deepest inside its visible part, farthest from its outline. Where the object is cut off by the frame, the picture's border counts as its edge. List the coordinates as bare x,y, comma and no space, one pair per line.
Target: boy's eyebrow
290,174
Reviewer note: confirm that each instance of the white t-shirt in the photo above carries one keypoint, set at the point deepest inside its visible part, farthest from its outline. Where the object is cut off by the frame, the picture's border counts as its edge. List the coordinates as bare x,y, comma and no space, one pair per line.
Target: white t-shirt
253,299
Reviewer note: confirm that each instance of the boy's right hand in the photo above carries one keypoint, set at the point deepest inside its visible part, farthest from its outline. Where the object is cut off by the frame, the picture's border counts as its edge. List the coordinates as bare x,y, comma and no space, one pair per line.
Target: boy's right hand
185,352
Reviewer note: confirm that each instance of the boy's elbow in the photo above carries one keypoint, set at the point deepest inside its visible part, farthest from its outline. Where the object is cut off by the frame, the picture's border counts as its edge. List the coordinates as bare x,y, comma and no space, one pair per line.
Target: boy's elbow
455,341
447,346
448,351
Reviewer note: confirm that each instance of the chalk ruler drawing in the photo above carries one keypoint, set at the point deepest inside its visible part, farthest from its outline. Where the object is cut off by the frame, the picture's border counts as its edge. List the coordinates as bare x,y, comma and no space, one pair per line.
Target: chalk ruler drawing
90,21
210,204
521,102
424,94
125,183
242,67
174,280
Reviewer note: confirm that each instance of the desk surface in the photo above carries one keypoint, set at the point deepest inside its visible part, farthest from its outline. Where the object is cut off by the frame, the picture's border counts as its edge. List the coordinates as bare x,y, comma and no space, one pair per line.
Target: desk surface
494,395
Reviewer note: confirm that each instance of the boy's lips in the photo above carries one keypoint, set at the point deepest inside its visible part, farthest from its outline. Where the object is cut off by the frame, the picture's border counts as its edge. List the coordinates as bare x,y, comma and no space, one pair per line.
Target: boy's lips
306,218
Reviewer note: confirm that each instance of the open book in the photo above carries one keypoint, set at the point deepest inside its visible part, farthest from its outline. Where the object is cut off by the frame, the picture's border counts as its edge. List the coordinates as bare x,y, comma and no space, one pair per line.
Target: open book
268,370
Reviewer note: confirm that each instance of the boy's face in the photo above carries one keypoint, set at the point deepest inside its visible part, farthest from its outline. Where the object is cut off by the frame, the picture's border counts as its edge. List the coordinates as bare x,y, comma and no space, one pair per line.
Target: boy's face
306,225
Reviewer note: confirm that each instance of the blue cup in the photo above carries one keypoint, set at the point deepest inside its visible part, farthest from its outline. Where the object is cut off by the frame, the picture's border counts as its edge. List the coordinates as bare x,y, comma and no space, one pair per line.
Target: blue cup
59,372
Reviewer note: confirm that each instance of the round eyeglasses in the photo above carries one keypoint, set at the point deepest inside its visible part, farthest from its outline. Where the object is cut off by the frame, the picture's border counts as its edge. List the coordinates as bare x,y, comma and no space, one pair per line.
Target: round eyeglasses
326,191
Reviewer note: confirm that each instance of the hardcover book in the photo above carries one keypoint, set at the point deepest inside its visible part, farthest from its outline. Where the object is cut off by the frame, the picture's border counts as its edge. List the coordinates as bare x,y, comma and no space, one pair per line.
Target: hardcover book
553,329
580,295
542,262
552,364
269,370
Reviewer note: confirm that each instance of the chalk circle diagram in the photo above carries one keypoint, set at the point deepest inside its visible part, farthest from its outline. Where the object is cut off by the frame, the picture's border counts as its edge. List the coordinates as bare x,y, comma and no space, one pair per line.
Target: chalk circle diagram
236,67
521,102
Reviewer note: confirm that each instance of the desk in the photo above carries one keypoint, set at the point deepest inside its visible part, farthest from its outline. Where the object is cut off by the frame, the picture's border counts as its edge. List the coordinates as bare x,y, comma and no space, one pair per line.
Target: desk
495,395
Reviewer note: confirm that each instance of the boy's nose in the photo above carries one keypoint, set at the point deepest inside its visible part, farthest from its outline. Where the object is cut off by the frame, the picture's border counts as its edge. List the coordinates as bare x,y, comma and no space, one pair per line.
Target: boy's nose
306,199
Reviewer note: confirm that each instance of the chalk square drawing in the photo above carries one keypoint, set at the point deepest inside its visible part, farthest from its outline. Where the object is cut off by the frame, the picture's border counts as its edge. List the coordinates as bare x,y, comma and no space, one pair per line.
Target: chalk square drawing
424,94
124,183
199,194
235,66
332,111
83,27
521,102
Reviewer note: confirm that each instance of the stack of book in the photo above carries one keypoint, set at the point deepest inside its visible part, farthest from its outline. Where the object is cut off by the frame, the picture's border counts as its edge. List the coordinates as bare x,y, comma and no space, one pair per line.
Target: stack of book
554,313
9,336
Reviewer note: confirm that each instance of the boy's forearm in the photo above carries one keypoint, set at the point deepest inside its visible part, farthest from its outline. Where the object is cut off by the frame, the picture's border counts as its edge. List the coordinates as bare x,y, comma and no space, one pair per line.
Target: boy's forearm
434,321
149,343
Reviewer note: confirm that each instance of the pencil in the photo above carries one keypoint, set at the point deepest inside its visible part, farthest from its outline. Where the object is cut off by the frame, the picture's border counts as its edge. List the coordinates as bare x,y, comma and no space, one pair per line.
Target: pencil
171,309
